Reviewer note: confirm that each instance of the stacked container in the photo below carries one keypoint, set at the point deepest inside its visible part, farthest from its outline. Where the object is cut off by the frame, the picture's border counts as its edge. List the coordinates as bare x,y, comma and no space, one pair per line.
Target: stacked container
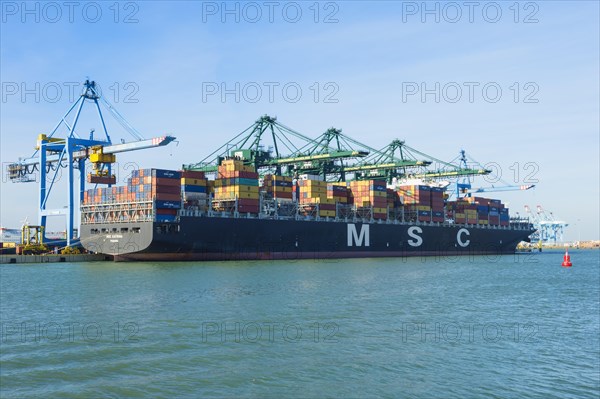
367,194
237,181
278,187
312,192
462,211
479,210
437,204
338,192
165,188
393,199
194,189
504,218
144,185
417,202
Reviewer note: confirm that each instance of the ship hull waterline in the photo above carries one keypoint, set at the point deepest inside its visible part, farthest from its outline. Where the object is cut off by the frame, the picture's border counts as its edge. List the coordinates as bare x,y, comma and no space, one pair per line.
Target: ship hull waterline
224,238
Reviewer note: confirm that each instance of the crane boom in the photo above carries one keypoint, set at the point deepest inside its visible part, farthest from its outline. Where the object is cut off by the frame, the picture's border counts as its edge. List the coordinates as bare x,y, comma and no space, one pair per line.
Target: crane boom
499,188
107,148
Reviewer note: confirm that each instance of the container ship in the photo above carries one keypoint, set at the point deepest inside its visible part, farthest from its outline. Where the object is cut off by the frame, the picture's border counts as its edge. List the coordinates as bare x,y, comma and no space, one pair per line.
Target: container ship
329,197
170,215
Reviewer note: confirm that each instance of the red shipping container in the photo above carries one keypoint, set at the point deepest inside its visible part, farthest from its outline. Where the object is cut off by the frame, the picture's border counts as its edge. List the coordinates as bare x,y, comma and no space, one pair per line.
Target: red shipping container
247,201
167,197
167,189
192,174
162,211
163,181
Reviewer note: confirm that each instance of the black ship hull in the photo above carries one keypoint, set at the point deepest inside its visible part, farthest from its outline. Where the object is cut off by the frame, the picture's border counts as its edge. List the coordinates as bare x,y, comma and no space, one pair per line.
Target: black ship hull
223,238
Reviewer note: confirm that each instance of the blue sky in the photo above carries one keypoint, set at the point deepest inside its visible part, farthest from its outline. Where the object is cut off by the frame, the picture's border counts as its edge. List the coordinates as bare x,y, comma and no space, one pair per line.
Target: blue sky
371,54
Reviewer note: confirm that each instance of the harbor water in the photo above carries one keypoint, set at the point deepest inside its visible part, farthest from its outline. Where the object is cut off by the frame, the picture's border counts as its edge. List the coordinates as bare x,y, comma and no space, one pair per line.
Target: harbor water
496,326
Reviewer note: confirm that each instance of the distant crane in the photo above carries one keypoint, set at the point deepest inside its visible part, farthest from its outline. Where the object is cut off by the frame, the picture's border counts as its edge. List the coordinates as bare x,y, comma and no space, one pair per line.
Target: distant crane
548,227
465,188
71,152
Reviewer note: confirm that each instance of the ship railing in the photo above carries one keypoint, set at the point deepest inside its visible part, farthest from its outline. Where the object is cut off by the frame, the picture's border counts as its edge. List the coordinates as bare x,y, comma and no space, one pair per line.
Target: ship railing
345,213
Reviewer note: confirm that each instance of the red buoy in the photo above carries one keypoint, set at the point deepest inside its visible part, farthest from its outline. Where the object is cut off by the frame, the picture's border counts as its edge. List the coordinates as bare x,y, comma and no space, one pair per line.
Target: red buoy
567,259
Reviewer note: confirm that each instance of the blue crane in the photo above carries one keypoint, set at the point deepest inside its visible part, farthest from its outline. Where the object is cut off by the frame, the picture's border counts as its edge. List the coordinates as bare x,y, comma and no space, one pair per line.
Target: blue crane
71,152
465,188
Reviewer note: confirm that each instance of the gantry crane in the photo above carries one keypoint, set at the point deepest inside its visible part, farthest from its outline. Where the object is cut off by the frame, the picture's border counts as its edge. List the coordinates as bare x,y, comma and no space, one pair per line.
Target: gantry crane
305,155
465,188
397,160
71,152
332,155
550,228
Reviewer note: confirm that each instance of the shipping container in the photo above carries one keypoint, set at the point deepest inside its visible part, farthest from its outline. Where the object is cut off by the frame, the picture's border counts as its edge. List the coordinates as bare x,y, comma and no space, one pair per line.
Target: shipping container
168,204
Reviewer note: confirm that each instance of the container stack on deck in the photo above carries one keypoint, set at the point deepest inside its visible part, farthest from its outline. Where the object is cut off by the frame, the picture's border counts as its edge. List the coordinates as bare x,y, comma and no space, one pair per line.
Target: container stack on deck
338,192
367,194
166,191
417,202
165,188
278,187
235,180
144,185
194,189
393,198
437,204
478,210
313,192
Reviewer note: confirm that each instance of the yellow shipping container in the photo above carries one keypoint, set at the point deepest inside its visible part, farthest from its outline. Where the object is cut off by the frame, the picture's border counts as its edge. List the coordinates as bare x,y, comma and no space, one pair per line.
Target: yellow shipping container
330,214
280,178
379,210
247,195
315,192
328,201
314,183
193,182
232,163
282,189
341,200
243,189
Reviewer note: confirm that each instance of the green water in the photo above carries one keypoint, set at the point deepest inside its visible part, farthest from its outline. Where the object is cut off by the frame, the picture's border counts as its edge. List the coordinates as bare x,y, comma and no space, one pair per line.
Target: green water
511,326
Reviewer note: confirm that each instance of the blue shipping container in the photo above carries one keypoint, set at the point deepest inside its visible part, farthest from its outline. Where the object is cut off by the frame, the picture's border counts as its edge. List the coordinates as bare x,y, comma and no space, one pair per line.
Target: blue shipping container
168,174
280,183
246,182
193,189
168,204
165,218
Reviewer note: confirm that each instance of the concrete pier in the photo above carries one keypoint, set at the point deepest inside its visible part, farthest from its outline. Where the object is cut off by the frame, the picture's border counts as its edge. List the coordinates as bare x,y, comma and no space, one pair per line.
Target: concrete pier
52,258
